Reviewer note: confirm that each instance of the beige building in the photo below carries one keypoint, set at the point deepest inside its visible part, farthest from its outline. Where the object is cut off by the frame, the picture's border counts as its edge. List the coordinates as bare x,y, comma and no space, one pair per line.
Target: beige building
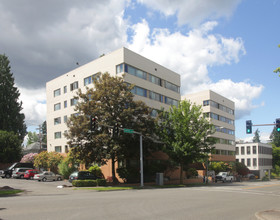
155,85
256,156
220,112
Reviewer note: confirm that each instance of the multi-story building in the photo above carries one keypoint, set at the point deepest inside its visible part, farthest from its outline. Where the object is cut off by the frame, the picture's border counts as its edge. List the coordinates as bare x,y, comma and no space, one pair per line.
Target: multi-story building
256,156
220,112
155,85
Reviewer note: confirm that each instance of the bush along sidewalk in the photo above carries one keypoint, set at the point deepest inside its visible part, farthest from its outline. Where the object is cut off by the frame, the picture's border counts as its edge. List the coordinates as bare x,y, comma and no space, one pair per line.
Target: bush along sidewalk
89,183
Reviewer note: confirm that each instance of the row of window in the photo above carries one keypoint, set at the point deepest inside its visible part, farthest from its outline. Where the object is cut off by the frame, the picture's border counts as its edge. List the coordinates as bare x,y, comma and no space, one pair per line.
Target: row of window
262,162
147,76
73,86
218,117
225,130
73,102
224,152
218,106
90,79
153,95
225,141
253,150
59,149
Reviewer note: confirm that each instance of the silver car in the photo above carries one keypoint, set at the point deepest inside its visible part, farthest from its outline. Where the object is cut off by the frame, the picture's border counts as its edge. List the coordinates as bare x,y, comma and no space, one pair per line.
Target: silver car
19,172
47,175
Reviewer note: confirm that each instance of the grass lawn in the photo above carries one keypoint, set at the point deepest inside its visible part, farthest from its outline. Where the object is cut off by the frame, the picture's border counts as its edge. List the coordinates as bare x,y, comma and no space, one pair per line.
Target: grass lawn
10,192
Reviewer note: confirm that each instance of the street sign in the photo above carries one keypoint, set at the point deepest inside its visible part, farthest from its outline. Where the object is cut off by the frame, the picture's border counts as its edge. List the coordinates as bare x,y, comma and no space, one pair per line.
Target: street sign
126,130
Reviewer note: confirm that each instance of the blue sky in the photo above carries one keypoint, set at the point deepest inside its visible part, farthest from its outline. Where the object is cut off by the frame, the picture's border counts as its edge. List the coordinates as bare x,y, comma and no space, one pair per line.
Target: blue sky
230,47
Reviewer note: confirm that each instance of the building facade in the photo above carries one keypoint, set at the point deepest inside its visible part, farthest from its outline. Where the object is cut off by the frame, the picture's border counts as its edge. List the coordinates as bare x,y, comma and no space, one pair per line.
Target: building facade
256,156
221,113
155,85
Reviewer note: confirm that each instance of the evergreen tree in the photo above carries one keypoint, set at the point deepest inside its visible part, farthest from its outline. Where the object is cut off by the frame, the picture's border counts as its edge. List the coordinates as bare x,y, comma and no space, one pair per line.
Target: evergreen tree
11,118
111,102
256,138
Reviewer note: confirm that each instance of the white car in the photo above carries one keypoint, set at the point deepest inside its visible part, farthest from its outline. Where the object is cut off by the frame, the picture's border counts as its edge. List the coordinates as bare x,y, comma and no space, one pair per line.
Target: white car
47,175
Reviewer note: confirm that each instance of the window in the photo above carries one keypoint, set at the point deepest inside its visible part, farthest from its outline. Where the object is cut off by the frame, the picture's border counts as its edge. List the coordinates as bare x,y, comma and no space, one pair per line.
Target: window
205,102
254,150
248,150
87,81
120,68
56,92
243,161
65,89
170,101
57,149
57,135
74,86
154,96
254,162
242,151
57,121
155,80
57,106
66,149
65,104
172,87
65,118
237,150
248,162
74,101
139,91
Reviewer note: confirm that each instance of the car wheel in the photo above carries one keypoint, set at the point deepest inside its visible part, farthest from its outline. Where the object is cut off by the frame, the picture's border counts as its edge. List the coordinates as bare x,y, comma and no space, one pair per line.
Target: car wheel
39,180
231,180
44,179
59,179
8,176
21,176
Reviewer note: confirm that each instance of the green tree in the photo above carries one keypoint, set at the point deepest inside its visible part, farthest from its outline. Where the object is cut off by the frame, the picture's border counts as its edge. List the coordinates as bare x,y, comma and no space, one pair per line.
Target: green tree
65,167
10,147
44,132
32,137
186,134
11,118
48,160
111,102
256,138
277,70
241,169
275,137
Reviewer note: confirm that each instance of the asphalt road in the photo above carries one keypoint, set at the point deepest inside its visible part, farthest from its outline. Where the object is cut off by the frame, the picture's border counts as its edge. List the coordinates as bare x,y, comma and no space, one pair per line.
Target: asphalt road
43,200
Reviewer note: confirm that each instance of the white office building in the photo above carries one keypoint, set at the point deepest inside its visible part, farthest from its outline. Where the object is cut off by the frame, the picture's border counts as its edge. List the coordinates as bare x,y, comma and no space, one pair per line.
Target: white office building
221,113
256,156
155,85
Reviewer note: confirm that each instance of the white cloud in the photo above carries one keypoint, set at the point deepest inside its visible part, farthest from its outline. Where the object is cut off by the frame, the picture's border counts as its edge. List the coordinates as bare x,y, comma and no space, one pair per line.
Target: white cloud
192,54
34,105
193,12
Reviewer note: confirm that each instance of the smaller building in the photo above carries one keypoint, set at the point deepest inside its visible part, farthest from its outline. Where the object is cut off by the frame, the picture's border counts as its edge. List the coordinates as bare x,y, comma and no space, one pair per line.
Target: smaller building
256,156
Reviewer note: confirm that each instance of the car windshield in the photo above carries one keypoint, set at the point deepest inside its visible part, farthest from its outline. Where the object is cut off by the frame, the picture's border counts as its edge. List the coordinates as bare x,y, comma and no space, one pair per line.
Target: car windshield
11,167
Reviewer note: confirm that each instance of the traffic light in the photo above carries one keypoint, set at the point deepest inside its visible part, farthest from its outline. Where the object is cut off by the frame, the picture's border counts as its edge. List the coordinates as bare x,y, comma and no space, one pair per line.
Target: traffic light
278,125
116,130
93,123
248,127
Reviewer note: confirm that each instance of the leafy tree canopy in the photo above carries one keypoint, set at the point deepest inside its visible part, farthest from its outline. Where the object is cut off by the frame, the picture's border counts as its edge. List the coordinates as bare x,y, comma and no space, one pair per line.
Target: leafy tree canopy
275,137
10,147
32,137
111,102
186,134
11,118
48,160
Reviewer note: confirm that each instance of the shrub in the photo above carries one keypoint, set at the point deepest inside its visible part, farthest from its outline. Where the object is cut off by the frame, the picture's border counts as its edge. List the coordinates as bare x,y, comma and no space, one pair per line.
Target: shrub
65,169
84,183
191,172
28,158
101,182
96,170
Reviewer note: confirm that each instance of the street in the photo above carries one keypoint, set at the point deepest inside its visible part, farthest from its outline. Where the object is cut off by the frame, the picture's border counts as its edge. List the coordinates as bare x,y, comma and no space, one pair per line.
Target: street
215,201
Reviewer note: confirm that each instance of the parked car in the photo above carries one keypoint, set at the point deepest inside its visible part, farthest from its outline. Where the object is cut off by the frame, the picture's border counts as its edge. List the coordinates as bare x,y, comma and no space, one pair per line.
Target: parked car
47,175
29,174
251,176
224,177
19,172
7,173
82,175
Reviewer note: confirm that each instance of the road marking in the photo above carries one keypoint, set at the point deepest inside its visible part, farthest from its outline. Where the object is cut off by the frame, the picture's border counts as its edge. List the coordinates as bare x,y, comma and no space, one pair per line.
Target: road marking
263,186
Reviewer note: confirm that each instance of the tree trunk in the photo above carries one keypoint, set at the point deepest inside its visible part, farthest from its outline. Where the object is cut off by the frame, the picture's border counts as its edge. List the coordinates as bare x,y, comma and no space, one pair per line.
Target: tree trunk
181,173
115,180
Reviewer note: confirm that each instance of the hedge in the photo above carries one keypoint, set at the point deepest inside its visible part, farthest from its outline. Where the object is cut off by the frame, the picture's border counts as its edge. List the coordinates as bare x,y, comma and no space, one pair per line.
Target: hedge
87,183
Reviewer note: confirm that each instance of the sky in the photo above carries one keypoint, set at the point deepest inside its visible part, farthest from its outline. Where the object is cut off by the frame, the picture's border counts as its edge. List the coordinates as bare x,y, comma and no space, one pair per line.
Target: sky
228,46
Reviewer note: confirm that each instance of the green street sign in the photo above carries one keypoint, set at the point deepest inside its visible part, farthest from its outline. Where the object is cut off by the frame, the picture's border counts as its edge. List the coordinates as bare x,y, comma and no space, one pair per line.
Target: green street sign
130,131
